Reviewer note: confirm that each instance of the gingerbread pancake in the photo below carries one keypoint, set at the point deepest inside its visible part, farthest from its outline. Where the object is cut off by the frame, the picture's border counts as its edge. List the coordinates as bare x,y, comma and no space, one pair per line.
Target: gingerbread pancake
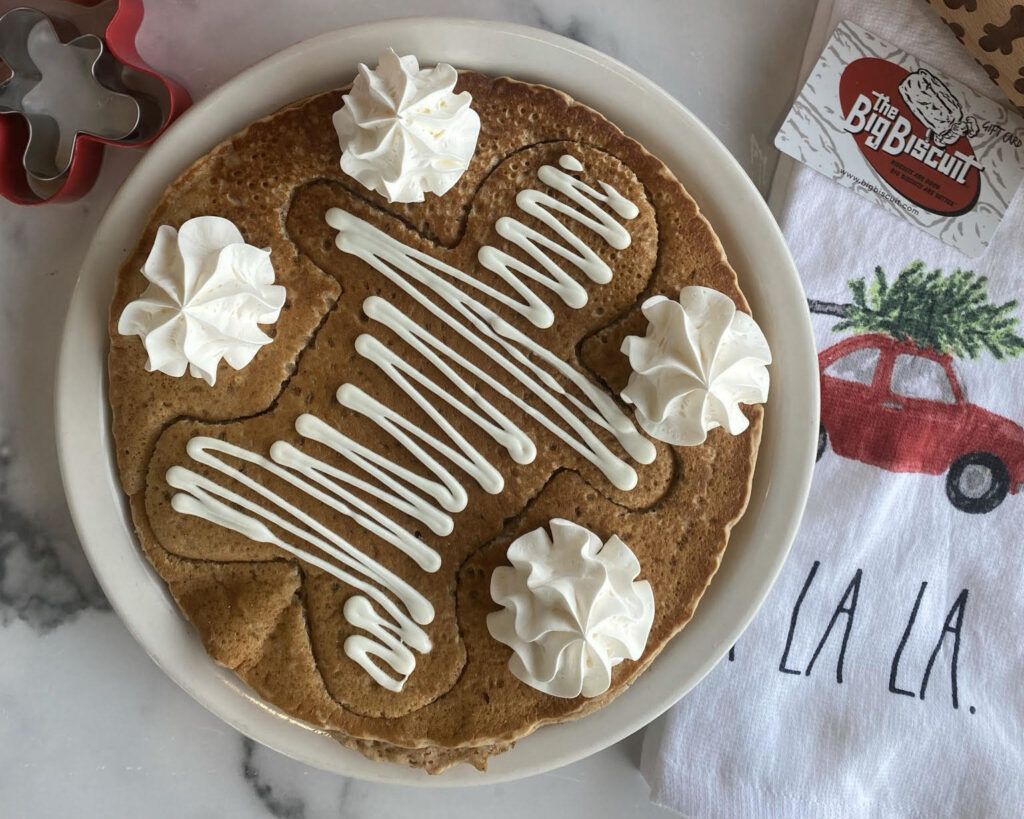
330,515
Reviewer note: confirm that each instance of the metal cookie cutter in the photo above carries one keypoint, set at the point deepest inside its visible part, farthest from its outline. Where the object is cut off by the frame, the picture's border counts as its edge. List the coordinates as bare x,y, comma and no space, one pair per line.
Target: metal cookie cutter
65,100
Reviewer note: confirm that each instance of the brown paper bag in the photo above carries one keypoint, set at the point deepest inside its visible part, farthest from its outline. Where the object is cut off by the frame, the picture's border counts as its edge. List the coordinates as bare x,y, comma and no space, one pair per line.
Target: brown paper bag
992,31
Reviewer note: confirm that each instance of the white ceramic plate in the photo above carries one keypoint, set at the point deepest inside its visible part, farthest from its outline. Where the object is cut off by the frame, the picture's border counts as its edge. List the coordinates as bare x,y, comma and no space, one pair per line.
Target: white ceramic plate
725,194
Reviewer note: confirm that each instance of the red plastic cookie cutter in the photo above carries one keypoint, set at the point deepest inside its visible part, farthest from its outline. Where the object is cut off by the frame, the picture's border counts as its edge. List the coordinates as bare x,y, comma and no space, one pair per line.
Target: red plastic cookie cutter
159,101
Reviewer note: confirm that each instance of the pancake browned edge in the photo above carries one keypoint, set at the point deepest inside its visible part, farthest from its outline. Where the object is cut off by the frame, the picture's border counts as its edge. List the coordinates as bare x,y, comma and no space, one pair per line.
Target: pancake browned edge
277,622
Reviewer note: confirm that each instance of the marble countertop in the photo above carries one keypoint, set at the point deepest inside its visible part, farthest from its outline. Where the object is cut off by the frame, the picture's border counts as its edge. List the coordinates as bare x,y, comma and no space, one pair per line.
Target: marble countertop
89,726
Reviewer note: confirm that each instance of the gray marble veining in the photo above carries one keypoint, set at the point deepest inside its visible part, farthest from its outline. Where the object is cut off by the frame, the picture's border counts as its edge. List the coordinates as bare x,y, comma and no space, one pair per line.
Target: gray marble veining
579,27
286,806
39,581
88,725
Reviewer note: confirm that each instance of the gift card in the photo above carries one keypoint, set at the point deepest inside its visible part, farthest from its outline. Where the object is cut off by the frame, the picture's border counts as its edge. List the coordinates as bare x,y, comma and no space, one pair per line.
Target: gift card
907,138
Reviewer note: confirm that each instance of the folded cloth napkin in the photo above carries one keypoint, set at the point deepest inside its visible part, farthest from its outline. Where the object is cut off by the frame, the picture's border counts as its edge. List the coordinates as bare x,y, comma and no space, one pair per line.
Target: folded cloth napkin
884,675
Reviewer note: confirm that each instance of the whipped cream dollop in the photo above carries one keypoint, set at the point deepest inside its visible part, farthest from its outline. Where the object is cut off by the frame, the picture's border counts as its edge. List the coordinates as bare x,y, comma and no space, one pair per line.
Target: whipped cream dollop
403,132
700,359
572,609
208,293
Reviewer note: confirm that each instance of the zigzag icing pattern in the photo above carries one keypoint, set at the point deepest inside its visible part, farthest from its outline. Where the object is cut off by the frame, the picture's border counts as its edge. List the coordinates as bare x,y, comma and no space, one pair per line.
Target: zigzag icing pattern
434,495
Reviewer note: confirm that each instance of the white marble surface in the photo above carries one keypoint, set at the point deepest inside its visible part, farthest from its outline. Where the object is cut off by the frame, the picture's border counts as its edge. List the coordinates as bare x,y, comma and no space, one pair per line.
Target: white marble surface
88,725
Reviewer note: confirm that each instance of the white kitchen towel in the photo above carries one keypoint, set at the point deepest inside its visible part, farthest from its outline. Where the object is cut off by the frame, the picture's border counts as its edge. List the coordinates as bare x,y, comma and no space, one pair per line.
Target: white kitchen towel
884,675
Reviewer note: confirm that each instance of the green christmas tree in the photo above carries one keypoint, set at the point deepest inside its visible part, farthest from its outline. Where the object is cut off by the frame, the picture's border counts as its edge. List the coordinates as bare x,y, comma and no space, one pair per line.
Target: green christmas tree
949,314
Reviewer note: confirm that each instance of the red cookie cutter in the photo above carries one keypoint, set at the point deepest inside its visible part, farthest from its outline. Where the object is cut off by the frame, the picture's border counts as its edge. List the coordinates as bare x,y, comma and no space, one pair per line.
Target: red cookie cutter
87,152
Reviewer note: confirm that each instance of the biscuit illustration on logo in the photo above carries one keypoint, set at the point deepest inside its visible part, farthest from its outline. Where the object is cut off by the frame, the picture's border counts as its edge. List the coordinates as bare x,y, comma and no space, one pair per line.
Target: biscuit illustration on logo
891,397
931,101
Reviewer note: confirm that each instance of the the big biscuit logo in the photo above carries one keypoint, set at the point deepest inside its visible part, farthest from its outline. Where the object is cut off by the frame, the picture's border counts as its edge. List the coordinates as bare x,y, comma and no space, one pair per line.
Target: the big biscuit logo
912,130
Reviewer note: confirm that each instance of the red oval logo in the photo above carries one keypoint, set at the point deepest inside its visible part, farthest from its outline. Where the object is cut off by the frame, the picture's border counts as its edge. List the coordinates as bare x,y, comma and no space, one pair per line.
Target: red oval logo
912,130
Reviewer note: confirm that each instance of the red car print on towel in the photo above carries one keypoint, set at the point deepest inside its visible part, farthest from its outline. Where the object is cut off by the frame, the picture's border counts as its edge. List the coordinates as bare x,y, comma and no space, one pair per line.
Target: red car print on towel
900,407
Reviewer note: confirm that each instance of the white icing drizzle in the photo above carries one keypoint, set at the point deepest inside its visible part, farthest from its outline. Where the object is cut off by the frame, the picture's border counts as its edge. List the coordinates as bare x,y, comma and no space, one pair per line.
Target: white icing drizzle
539,247
207,499
495,337
571,163
430,500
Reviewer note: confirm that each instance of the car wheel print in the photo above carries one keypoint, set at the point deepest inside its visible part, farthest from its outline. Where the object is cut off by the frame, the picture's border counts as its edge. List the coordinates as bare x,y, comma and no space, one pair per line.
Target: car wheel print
977,482
822,442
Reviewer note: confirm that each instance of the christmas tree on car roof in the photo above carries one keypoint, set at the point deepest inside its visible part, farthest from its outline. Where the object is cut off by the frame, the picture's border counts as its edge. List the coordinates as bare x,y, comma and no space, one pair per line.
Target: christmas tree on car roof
951,315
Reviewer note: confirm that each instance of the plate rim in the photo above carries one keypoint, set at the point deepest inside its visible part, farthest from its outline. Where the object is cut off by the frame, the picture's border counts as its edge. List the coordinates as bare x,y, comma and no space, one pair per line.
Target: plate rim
251,716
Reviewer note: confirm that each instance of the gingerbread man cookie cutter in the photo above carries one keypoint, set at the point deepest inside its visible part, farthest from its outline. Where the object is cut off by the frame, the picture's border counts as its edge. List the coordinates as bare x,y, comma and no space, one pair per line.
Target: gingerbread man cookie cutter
65,99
